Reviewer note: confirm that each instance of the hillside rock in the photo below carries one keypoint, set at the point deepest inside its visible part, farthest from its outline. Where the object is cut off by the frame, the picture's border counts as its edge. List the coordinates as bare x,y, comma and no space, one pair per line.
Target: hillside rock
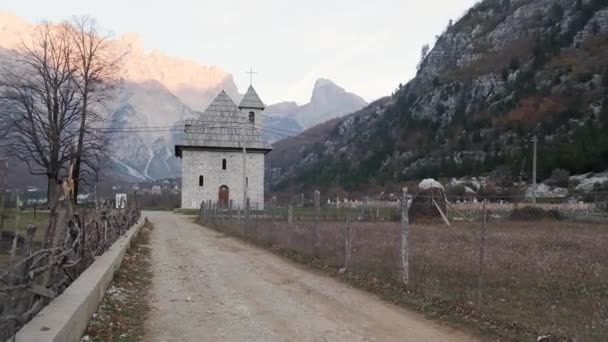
328,101
506,71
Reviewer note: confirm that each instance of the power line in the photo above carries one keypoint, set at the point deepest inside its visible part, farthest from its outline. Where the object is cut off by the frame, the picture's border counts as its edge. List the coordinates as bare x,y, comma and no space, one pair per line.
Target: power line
231,124
295,133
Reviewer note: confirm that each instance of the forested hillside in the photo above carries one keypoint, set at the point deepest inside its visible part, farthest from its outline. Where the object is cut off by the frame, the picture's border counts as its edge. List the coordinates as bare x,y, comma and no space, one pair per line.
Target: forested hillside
506,71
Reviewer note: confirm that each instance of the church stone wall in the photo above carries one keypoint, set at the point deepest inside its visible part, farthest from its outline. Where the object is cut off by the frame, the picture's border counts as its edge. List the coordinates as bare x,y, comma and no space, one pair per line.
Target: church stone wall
209,165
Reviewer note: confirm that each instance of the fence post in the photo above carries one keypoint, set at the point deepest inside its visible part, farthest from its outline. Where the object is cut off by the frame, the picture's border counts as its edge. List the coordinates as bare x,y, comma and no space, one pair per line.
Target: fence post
105,231
201,212
22,273
13,253
317,201
229,214
347,244
290,214
338,208
274,207
216,213
482,242
213,213
405,267
238,215
246,219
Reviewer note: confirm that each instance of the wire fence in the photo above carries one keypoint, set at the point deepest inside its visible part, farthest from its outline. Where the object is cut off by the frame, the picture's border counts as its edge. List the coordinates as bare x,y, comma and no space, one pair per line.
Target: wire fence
529,269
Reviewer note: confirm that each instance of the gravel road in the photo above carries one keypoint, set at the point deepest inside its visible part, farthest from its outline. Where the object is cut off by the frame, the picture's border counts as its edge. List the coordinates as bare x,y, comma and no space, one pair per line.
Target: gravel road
210,287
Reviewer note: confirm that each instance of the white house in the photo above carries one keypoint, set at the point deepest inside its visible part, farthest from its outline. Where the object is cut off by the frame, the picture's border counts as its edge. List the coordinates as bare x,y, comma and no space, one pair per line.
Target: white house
223,154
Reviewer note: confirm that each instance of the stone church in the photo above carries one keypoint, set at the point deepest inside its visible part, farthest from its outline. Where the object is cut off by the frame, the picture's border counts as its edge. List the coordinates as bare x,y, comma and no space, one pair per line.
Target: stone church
223,154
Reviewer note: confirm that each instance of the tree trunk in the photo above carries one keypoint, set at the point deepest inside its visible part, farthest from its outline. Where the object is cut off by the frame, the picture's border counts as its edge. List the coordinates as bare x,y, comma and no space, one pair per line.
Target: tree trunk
51,195
79,148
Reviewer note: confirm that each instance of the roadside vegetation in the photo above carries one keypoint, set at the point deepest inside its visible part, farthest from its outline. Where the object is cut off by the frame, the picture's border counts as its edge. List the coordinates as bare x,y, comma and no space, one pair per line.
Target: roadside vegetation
122,314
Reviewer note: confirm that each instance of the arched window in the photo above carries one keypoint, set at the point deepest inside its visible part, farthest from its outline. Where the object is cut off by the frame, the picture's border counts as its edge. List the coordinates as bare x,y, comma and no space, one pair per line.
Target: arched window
201,181
252,117
224,164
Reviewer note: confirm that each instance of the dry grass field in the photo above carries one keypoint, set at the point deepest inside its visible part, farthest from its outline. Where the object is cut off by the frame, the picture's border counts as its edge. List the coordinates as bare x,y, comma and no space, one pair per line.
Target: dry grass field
543,277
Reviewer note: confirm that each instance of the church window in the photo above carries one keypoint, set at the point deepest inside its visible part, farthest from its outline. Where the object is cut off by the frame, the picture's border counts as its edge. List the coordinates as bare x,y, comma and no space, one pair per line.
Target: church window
224,164
201,181
252,117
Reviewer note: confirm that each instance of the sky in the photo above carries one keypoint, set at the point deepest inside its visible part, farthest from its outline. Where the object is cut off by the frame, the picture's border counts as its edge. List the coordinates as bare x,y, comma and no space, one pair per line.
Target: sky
367,47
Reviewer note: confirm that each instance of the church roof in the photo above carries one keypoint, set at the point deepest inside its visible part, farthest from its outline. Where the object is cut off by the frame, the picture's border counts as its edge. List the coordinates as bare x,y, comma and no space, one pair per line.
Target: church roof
251,100
222,126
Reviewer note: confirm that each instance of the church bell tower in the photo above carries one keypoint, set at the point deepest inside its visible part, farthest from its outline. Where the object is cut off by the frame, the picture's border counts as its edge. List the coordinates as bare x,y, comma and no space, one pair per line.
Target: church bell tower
251,106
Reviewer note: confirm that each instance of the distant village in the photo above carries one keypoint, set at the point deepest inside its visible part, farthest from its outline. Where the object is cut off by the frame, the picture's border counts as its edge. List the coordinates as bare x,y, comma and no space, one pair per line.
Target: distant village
34,196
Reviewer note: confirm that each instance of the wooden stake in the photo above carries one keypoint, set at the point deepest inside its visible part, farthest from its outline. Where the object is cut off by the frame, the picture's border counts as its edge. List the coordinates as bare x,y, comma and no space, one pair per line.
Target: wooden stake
317,200
347,252
405,272
445,219
482,242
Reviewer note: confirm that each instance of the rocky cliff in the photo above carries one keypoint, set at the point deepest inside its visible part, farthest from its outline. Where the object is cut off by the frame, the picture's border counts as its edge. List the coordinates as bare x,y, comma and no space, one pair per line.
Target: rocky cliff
155,90
328,101
160,91
506,71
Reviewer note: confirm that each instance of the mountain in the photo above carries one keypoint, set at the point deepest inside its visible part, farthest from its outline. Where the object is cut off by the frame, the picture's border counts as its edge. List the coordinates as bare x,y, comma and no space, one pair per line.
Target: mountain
328,101
155,90
159,90
506,71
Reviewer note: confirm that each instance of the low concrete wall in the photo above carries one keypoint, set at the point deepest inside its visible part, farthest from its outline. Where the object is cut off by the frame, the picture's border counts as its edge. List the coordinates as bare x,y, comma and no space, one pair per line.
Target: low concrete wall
66,317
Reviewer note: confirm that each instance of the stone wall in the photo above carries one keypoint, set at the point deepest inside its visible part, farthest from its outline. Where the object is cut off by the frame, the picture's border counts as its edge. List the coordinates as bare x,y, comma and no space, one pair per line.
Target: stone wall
209,165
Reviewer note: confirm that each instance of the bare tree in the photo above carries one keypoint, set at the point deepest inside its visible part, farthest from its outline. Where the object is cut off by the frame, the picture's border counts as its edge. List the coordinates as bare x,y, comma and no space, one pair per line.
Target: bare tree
95,69
40,104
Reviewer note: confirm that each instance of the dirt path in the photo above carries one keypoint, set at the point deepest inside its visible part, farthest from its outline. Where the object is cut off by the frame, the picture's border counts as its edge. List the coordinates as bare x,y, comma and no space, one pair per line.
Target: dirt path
209,287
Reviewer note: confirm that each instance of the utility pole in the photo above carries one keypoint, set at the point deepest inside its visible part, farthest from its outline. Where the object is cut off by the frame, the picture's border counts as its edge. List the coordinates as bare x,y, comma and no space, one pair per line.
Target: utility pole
3,187
534,160
244,176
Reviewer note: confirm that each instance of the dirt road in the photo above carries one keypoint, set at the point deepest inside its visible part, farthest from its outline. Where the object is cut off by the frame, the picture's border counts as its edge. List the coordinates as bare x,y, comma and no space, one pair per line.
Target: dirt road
209,287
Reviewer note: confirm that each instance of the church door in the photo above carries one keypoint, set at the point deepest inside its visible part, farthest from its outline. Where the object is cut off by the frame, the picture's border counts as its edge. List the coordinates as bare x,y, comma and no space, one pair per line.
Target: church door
223,196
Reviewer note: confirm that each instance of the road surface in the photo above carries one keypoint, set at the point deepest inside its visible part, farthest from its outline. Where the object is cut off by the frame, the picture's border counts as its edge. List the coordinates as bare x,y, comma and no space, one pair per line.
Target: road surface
210,287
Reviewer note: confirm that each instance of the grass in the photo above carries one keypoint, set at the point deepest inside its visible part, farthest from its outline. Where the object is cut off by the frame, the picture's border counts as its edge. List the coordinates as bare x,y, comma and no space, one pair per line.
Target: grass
122,314
543,277
186,211
26,218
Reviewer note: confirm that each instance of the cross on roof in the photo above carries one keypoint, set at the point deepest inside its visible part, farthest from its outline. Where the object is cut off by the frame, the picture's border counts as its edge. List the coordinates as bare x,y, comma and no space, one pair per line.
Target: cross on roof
251,73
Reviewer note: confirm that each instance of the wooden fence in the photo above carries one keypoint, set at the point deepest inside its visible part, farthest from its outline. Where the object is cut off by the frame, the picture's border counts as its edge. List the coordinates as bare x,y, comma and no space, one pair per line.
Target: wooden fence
38,271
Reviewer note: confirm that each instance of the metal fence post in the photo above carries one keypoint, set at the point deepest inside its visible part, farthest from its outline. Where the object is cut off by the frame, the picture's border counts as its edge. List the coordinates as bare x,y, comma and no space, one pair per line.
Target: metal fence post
290,214
405,267
482,242
246,217
317,201
201,212
238,215
230,208
273,207
347,243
